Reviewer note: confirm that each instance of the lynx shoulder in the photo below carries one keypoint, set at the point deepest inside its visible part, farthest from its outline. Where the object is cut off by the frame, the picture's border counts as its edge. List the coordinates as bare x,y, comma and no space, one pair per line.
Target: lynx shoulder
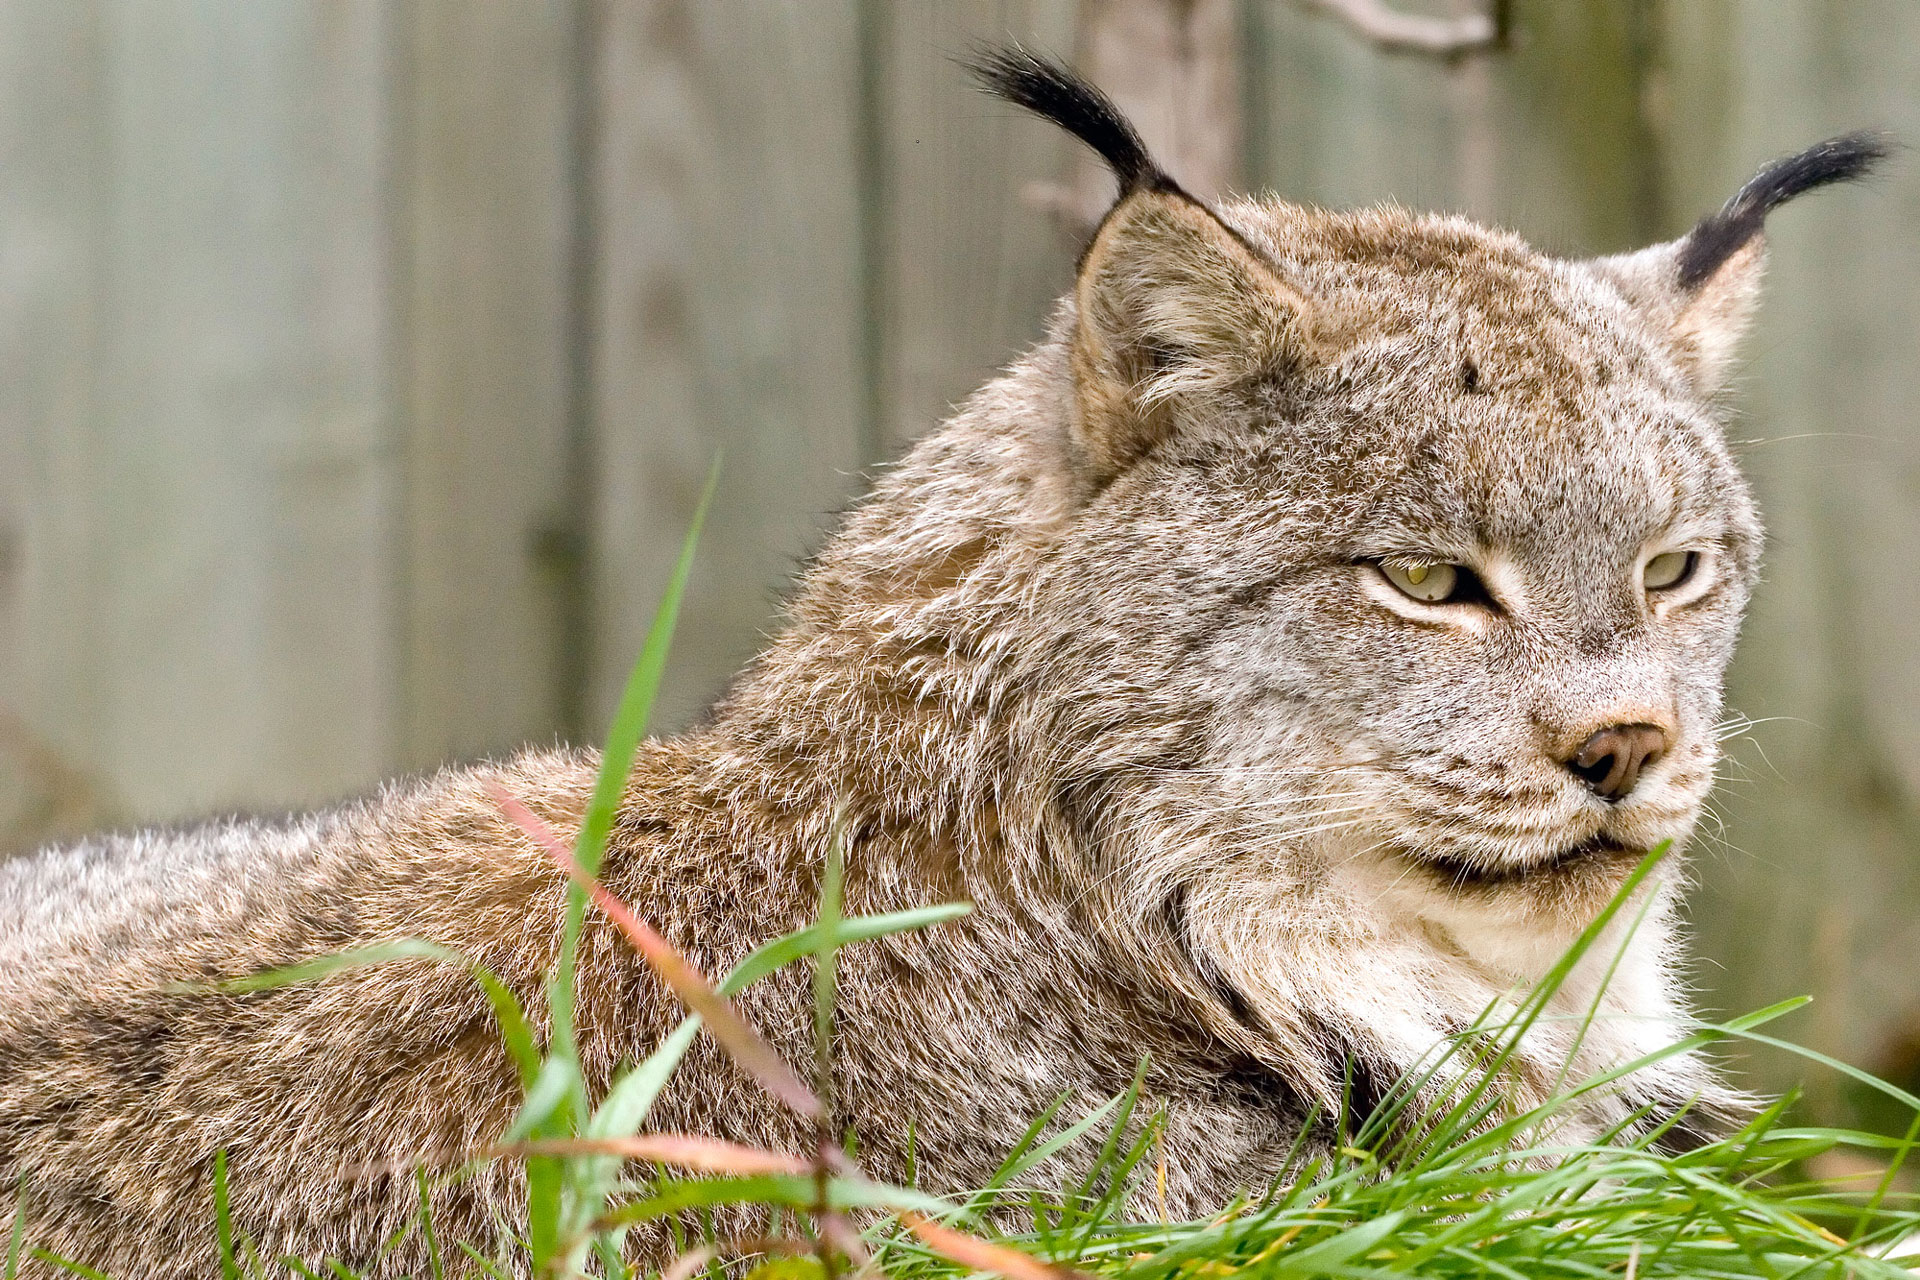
1288,656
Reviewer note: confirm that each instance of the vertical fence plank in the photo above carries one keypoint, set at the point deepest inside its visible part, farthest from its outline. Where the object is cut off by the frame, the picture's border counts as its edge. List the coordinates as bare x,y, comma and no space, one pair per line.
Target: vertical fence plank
206,619
1174,67
52,104
728,316
1548,138
485,242
244,463
967,266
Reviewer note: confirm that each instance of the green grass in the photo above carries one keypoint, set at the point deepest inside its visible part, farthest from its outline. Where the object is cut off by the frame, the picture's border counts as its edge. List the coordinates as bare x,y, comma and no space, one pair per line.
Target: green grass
1464,1188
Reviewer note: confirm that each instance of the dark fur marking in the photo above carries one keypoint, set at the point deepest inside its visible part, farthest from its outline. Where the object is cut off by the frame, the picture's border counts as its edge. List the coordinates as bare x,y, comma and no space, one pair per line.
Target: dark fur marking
1076,800
328,926
1174,914
138,1041
1598,855
1719,236
1365,1089
1241,1078
1686,1125
1051,91
1248,1082
1367,1078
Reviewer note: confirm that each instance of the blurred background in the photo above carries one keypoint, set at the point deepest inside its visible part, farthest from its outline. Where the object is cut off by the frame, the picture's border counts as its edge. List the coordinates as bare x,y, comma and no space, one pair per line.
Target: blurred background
361,362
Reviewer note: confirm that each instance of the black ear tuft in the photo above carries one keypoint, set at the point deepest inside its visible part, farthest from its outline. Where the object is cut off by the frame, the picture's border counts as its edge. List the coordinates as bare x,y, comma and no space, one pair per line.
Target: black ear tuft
1721,235
1051,91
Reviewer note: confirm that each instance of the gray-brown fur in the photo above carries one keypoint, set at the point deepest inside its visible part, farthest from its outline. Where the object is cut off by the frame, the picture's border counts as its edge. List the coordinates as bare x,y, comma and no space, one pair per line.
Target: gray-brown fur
1103,655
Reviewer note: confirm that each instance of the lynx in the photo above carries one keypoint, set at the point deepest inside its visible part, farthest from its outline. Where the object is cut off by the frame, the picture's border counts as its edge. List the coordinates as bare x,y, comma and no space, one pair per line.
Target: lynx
1287,657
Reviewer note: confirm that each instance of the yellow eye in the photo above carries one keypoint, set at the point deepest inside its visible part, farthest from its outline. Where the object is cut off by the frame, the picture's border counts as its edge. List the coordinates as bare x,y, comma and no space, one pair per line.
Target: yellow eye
1427,583
1669,569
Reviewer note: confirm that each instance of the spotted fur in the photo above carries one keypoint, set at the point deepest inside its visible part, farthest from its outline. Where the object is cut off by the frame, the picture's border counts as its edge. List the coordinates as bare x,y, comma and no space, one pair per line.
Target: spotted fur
1105,655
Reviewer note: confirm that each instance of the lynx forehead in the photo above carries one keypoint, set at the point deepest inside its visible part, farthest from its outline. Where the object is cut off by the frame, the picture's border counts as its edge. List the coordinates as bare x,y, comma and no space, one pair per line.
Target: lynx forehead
1287,657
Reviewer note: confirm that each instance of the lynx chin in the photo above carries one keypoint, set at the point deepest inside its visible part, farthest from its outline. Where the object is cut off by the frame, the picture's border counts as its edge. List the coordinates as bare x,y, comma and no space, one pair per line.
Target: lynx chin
1287,656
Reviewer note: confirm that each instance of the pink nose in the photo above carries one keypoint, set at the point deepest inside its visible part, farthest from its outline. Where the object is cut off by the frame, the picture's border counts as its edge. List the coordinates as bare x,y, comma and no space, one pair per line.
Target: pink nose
1610,762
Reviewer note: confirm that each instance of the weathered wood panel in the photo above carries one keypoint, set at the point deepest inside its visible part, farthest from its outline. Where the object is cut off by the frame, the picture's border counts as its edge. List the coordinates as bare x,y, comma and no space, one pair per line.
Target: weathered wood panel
1546,138
244,445
485,238
966,267
52,103
209,559
728,316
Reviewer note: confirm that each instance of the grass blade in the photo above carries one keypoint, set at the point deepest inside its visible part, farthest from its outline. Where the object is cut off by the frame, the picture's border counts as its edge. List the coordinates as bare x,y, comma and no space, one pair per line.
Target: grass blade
795,1191
625,1107
681,1150
616,763
549,1093
68,1265
781,952
322,967
435,1269
19,1233
982,1255
746,1045
515,1033
223,1218
636,701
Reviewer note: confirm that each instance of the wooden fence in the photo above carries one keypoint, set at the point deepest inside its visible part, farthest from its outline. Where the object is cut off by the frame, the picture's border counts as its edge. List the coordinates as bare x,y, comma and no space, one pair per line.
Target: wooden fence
363,358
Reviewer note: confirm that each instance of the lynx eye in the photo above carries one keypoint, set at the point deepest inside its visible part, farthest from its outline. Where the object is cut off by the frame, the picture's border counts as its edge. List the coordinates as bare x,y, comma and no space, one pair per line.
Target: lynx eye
1427,583
1669,569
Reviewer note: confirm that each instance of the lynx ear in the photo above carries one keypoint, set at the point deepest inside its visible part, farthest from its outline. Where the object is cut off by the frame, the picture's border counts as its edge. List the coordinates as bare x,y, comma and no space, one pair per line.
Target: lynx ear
1169,300
1702,287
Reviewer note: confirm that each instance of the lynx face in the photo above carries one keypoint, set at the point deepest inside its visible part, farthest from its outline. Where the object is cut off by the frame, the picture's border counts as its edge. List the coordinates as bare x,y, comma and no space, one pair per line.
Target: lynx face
1271,536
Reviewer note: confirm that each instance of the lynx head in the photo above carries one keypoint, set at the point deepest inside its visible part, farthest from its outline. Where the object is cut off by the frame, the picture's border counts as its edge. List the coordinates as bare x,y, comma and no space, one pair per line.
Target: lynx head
1333,609
1400,565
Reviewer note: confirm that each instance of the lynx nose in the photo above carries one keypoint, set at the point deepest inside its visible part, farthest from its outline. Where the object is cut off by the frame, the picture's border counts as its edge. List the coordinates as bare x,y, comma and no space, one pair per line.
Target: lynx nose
1611,760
